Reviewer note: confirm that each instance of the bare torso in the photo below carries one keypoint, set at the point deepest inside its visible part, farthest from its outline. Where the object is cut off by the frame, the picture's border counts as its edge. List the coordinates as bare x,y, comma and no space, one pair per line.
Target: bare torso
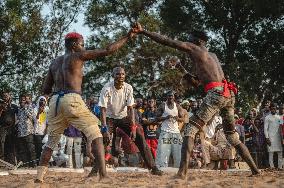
207,66
67,73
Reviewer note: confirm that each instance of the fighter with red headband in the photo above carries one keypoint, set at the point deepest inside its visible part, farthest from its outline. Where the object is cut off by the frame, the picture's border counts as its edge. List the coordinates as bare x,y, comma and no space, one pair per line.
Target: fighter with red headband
64,82
220,94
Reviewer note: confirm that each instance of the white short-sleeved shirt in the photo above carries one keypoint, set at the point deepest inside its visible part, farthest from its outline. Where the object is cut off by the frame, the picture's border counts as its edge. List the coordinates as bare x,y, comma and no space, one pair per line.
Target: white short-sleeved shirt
116,101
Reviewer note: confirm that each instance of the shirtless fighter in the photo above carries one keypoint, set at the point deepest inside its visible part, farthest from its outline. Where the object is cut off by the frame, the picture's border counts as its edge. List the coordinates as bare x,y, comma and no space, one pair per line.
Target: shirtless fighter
66,105
220,95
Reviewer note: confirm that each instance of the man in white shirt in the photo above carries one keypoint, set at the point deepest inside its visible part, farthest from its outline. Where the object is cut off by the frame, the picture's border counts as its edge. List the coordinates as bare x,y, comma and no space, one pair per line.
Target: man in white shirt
116,102
272,131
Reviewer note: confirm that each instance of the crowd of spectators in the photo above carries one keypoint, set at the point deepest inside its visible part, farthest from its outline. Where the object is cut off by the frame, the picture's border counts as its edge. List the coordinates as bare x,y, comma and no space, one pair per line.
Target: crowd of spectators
23,129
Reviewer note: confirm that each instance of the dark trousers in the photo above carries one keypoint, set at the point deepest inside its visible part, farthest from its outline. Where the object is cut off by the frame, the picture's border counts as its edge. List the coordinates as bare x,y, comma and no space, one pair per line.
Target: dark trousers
3,134
7,144
27,150
38,145
140,141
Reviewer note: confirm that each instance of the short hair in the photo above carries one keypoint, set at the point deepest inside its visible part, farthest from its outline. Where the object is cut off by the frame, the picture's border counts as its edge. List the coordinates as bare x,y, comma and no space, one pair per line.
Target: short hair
72,38
200,35
115,69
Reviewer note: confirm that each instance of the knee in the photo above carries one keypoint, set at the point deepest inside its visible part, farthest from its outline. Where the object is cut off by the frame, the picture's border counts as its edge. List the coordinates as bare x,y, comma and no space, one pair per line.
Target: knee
233,138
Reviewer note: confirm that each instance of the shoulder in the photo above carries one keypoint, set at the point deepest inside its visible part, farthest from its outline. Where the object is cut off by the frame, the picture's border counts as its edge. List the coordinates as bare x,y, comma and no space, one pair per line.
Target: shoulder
128,86
107,86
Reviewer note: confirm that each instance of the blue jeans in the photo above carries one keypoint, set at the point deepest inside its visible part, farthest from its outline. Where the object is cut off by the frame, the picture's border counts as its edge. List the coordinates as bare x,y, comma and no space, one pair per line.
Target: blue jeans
169,143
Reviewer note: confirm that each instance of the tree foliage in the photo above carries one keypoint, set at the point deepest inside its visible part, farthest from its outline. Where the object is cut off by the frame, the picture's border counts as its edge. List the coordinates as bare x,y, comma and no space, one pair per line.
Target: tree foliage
247,37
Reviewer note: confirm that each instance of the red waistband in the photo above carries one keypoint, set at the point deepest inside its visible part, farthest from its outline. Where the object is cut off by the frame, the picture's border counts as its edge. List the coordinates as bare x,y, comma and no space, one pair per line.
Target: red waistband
227,86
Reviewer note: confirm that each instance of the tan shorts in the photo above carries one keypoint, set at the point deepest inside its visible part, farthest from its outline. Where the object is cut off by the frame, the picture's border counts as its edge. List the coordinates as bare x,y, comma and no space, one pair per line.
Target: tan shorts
71,110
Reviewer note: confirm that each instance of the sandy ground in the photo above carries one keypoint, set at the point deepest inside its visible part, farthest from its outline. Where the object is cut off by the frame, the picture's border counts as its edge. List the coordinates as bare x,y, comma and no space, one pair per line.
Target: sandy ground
210,179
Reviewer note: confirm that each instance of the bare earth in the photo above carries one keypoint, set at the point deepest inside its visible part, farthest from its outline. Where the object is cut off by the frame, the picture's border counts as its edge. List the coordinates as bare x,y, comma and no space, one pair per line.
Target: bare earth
212,179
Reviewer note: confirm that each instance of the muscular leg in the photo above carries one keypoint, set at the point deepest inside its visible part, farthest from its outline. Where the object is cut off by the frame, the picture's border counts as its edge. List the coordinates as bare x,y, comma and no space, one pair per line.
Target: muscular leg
99,154
233,139
187,146
43,164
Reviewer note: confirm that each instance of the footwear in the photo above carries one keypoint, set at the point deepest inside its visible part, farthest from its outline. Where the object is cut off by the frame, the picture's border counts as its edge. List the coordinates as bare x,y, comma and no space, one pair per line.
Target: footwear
156,171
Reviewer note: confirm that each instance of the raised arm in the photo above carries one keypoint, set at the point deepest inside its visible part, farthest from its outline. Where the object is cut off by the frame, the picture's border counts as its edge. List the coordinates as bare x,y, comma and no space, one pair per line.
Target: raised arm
110,49
183,46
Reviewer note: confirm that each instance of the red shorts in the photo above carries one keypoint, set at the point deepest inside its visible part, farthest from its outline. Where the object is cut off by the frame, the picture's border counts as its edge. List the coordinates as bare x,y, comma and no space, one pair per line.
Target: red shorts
153,145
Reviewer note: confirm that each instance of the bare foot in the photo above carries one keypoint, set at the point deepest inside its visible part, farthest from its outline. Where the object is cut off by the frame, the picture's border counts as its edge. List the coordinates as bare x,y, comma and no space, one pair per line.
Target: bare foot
38,181
93,173
179,176
254,174
105,180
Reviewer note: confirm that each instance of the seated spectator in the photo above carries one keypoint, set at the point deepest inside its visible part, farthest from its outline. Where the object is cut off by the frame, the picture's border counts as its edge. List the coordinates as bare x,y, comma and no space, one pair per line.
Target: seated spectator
58,158
226,152
197,158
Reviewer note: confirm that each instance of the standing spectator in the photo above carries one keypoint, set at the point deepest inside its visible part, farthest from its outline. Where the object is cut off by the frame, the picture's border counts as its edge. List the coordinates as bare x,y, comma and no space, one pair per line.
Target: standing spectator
150,126
238,112
266,110
184,107
272,131
73,140
240,128
8,113
170,140
281,114
248,127
259,144
116,101
138,111
25,130
40,124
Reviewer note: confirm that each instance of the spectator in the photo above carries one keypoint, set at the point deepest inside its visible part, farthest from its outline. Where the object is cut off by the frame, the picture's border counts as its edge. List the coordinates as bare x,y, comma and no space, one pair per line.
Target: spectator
170,139
240,128
197,154
8,112
184,107
25,130
259,149
58,158
138,110
281,114
116,101
40,124
266,110
226,151
209,133
73,140
272,131
248,127
238,112
150,126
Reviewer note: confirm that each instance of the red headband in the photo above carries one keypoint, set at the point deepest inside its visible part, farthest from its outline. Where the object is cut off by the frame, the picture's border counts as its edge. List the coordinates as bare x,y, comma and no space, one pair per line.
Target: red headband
73,35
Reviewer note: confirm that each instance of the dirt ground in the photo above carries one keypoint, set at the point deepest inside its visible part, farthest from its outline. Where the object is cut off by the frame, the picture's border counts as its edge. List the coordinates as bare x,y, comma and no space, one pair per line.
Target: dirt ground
212,179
